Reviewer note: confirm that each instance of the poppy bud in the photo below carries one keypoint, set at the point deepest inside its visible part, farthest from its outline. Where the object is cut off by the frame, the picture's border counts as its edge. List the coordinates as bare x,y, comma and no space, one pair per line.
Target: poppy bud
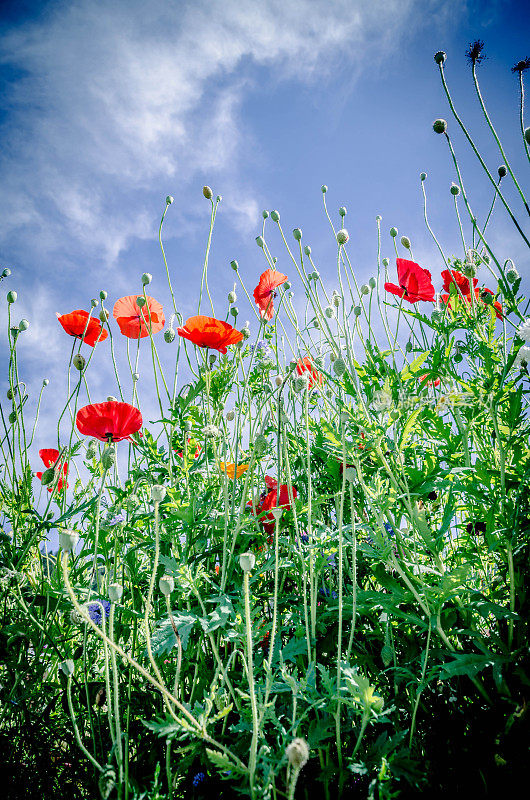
372,283
234,311
230,415
287,285
408,347
342,236
527,135
436,315
297,753
357,311
275,216
146,278
349,474
339,367
234,265
67,667
302,382
512,275
455,190
297,233
219,198
12,417
115,592
169,200
94,302
336,299
12,297
207,192
112,399
68,540
11,393
423,176
47,476
439,126
265,214
323,188
316,275
469,270
6,272
386,262
91,449
440,57
329,311
245,330
140,302
502,171
211,431
232,297
108,459
487,298
79,362
169,335
103,315
166,585
103,295
247,561
260,241
261,444
393,232
278,380
45,382
23,325
307,250
212,359
342,211
405,241
158,493
365,289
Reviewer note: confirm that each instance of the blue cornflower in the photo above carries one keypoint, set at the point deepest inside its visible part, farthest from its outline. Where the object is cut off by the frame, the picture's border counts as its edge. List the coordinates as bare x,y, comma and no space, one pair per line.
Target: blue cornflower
117,519
389,529
331,560
304,538
199,777
326,593
94,611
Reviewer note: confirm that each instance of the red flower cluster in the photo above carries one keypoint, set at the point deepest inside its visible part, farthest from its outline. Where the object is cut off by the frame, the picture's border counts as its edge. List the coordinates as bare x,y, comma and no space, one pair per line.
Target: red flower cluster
453,276
78,324
414,282
463,284
136,322
271,499
109,422
265,291
306,365
209,332
50,458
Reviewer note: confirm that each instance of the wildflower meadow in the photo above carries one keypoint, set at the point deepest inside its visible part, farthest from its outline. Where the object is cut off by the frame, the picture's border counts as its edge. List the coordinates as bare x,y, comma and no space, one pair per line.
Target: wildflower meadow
307,572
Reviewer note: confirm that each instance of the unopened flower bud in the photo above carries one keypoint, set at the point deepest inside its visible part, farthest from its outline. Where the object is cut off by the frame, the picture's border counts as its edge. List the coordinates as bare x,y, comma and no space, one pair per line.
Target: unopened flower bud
436,315
260,444
278,380
439,126
103,295
342,211
297,233
323,188
23,325
372,283
146,278
158,493
386,262
247,561
79,362
512,275
67,667
115,592
265,214
349,474
232,297
336,299
275,216
112,399
212,358
140,302
230,415
260,241
91,449
234,311
287,285
405,241
166,585
440,57
298,753
169,200
393,232
234,265
339,367
68,540
365,289
210,431
136,376
48,475
218,198
108,459
423,176
12,297
169,335
45,382
94,302
307,250
103,315
207,192
357,311
455,190
342,236
245,330
527,135
6,272
329,311
502,171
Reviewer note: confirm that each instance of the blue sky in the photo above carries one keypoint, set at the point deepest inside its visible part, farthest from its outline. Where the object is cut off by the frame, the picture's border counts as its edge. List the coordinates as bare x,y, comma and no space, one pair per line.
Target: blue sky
108,106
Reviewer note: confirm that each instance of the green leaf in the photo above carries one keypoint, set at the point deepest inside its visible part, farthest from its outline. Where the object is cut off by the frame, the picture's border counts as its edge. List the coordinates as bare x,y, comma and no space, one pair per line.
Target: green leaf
164,639
222,762
294,648
411,370
408,427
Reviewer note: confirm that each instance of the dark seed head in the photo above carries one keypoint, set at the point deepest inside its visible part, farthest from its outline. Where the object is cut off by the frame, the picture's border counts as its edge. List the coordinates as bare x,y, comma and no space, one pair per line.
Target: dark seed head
521,66
474,52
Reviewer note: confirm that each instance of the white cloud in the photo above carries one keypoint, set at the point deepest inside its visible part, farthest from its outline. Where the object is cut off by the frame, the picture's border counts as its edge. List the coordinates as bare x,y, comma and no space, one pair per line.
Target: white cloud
117,98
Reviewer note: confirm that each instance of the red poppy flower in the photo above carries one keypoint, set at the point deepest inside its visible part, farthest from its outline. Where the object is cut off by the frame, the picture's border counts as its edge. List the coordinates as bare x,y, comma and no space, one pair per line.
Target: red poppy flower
264,293
425,382
209,332
195,455
479,294
414,282
270,499
134,321
109,422
453,276
49,459
306,365
75,324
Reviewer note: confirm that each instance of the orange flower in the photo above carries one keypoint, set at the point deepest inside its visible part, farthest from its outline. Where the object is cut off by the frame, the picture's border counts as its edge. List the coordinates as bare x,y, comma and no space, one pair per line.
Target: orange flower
306,365
78,324
135,322
209,332
230,469
264,293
